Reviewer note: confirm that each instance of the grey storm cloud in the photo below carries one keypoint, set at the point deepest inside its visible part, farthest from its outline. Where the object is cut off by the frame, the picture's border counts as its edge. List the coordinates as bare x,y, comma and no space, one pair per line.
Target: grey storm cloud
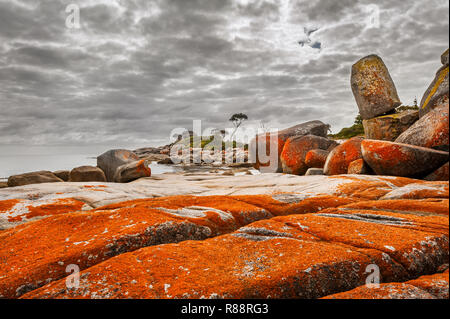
137,69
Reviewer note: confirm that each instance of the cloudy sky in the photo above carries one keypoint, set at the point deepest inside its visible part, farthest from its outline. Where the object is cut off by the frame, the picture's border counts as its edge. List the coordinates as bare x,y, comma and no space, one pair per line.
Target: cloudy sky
136,69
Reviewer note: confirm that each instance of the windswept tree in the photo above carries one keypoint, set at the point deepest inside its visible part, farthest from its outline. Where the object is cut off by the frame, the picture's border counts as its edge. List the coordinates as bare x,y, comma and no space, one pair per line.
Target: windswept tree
237,120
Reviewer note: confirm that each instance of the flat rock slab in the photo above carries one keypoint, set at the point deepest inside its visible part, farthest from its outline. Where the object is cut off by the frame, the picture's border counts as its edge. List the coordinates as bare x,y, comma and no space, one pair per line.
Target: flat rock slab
426,287
296,256
45,200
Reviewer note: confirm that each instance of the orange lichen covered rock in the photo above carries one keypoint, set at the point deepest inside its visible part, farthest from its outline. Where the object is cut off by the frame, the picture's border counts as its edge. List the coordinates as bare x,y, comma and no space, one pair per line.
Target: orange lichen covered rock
426,287
373,88
296,256
265,149
340,158
396,159
19,211
431,131
359,167
295,150
30,257
316,158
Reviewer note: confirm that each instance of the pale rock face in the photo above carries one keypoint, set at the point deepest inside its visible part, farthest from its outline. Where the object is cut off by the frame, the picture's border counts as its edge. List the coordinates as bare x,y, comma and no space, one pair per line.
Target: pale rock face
373,88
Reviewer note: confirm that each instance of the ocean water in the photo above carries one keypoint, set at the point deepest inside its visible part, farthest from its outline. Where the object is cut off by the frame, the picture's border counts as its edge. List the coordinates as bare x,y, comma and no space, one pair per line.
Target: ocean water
23,159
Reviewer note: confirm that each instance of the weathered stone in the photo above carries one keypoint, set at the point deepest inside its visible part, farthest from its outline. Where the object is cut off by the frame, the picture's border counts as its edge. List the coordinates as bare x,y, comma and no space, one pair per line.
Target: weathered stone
395,159
295,150
389,127
373,88
64,175
426,287
316,158
314,171
444,58
340,157
441,174
430,131
269,161
87,174
132,171
33,178
111,160
359,167
437,92
296,256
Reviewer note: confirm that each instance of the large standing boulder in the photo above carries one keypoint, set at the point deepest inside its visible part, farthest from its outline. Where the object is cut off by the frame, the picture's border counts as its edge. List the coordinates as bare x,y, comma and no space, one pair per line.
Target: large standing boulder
389,127
373,88
87,174
111,160
274,143
437,92
317,158
395,159
296,148
430,131
132,171
340,157
33,178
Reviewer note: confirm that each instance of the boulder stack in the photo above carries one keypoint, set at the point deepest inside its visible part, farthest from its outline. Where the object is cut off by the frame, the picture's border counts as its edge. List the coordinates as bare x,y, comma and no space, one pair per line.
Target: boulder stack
274,144
296,148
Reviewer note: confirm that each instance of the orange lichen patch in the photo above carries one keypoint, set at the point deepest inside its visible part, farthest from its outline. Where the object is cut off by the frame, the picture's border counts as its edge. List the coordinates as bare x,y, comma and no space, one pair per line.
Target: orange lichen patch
425,287
405,219
340,157
31,257
316,158
396,159
430,206
289,204
7,205
295,150
18,211
418,243
297,256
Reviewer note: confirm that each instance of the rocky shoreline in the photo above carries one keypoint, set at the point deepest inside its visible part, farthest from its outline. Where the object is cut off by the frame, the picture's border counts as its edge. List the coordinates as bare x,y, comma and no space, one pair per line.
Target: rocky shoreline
312,220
